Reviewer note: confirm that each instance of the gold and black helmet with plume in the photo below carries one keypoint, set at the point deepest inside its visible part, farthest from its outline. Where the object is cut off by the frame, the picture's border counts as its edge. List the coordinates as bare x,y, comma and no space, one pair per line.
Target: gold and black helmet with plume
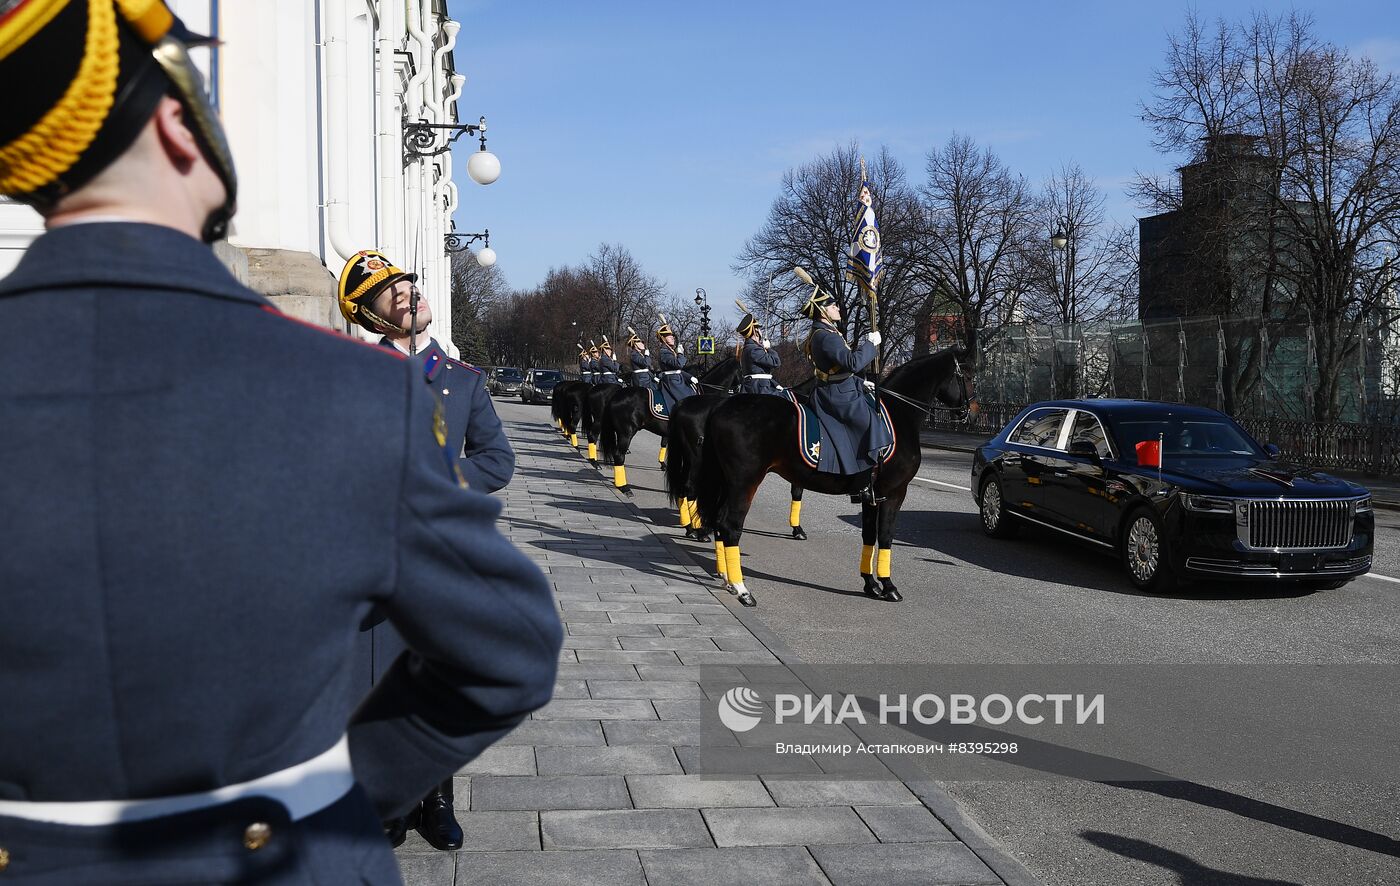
81,80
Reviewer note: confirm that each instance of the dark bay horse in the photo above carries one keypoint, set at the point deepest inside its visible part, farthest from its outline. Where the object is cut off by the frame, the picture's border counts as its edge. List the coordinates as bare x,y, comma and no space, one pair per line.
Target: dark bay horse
630,411
748,437
687,434
567,408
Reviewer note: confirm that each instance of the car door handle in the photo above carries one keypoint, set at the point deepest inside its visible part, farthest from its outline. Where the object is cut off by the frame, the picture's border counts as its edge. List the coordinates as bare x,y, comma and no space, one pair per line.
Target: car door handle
1061,473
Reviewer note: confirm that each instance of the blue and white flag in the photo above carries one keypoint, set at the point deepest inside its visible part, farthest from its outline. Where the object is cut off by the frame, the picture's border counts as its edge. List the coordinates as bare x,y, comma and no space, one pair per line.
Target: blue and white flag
863,267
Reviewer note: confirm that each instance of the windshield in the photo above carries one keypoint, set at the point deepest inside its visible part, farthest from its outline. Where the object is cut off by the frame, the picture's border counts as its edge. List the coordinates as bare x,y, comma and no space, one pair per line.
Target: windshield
508,374
1190,437
547,375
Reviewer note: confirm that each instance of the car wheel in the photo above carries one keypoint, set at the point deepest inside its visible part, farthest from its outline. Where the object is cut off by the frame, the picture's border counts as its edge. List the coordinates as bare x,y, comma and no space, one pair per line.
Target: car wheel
1143,548
996,522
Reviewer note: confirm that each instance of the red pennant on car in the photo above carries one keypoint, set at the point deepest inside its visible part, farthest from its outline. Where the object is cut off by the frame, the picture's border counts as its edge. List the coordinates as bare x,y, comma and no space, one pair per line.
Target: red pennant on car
1149,454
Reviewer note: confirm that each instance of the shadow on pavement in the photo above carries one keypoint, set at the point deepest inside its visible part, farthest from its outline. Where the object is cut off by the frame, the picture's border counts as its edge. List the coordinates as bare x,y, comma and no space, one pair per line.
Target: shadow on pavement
1189,871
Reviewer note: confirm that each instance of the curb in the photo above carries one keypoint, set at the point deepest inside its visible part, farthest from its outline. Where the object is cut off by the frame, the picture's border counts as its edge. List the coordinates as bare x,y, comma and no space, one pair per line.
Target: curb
936,799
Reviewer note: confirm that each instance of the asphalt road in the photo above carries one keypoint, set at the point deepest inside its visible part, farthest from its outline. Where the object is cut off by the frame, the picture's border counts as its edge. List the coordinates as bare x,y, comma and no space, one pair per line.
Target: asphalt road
1039,599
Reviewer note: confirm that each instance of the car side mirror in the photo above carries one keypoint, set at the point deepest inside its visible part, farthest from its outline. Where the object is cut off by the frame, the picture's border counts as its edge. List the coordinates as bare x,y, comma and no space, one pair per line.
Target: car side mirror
1084,449
1272,451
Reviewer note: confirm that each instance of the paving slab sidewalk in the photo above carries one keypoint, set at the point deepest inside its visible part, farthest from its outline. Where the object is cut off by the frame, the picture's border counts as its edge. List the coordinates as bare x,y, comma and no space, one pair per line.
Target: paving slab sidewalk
599,787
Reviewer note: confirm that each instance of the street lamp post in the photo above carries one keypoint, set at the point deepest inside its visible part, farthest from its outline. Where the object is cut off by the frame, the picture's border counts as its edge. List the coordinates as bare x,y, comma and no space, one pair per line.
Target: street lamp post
705,344
420,139
456,242
1064,240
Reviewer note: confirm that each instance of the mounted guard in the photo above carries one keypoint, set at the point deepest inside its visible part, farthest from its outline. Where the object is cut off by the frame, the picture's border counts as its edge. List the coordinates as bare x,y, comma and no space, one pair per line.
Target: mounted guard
585,365
642,376
610,370
676,382
855,430
756,357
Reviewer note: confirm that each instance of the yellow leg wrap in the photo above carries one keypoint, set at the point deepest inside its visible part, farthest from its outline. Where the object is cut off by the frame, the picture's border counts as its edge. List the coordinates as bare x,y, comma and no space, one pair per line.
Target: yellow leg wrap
661,456
720,564
685,512
694,516
619,476
592,451
867,559
732,571
882,564
795,514
559,422
573,440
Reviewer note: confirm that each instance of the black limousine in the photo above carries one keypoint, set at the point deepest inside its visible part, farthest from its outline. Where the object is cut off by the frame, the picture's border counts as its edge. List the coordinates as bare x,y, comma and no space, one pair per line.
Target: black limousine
1174,491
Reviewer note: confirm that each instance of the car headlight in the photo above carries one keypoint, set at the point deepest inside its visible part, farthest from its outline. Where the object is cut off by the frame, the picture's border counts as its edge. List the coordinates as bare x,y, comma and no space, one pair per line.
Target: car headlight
1363,506
1207,504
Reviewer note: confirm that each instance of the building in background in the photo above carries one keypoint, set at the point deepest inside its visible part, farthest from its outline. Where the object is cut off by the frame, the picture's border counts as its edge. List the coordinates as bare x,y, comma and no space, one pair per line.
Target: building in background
314,96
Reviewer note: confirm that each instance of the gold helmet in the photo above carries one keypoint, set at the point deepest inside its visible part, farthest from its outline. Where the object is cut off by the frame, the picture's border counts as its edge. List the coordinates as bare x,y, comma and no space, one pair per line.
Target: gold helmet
366,274
607,345
812,310
633,339
665,330
92,74
582,351
746,326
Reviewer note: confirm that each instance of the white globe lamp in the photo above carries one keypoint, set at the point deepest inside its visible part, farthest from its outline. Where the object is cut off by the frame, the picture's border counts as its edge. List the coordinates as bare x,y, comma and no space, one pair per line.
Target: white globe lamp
483,167
486,256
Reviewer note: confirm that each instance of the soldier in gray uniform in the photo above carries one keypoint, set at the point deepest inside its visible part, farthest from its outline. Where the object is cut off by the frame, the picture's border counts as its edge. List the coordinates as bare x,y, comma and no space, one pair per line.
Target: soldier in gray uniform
757,360
585,365
853,432
610,369
642,376
200,511
676,383
384,299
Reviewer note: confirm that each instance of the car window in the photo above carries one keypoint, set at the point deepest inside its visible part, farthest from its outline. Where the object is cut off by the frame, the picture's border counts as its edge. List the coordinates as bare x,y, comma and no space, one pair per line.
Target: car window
1087,427
508,374
547,374
1040,428
1189,437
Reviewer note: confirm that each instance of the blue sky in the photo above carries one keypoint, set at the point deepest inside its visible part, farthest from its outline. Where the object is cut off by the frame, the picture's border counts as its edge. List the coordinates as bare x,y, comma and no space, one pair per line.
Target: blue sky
666,126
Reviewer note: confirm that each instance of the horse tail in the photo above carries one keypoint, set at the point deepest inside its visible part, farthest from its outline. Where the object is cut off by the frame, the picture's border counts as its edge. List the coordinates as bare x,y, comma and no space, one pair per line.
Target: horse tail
680,446
607,426
556,404
710,484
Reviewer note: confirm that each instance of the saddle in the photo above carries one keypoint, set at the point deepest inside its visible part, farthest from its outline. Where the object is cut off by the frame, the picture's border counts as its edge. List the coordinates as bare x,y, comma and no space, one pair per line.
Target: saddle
658,405
809,430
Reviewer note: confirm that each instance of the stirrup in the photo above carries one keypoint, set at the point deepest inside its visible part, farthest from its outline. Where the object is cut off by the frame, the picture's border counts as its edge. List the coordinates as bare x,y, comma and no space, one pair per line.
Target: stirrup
866,496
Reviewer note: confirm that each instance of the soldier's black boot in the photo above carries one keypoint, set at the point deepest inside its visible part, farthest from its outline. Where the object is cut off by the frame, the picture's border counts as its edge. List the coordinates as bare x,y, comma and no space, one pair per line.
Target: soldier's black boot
438,823
396,829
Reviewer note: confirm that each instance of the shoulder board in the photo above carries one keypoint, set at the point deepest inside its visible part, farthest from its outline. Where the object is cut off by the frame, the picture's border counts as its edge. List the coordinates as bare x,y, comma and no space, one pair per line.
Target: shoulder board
393,352
460,365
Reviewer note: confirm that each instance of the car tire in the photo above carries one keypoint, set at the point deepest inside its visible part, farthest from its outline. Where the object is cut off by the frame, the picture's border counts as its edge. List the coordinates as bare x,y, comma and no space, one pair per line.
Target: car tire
996,522
1143,550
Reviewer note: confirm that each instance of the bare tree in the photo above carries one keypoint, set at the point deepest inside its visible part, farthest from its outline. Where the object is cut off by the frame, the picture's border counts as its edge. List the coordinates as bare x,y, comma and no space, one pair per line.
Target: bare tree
979,218
812,224
627,294
474,291
1327,127
1073,262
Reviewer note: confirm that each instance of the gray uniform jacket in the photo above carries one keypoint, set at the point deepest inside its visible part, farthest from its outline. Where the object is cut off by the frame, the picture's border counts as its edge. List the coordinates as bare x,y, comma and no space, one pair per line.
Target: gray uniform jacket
853,433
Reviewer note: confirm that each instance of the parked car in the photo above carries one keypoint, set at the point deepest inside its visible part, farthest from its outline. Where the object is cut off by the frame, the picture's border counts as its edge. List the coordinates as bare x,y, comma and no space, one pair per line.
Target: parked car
538,386
504,381
1175,491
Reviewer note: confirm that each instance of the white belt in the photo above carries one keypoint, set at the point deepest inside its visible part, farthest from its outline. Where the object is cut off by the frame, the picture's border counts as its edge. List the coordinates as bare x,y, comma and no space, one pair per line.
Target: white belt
674,372
304,789
759,375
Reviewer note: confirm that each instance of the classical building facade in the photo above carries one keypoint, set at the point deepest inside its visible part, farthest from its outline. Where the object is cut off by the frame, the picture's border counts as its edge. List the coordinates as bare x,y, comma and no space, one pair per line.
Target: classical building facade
314,96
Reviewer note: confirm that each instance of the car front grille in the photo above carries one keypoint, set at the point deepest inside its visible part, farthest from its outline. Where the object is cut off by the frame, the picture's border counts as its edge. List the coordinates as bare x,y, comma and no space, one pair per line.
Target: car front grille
1300,525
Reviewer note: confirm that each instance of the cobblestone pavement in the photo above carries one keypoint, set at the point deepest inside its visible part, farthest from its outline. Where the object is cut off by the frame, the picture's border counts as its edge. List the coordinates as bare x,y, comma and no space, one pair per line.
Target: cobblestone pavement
599,786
